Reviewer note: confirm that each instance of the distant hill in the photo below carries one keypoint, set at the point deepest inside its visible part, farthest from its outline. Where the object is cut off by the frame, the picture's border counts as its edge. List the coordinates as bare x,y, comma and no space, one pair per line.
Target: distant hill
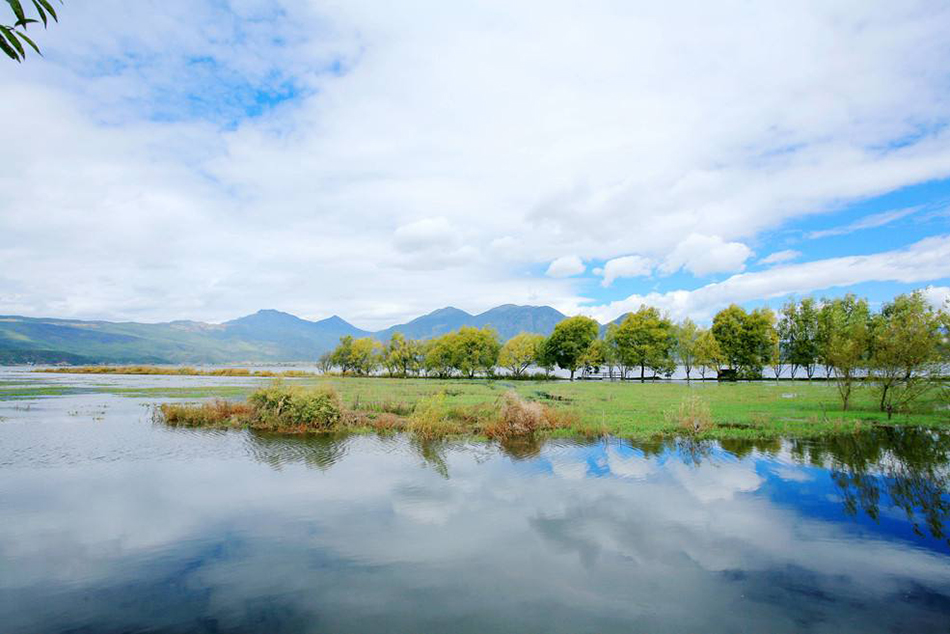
267,335
508,320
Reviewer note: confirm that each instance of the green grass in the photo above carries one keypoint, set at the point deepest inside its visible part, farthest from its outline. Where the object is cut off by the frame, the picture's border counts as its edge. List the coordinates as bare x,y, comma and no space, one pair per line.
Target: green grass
630,409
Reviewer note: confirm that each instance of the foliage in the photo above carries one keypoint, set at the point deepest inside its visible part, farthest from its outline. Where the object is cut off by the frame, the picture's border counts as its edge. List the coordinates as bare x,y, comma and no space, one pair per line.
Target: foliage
569,341
798,336
520,352
402,356
687,344
475,350
905,350
708,352
439,357
282,408
744,338
646,339
13,37
846,348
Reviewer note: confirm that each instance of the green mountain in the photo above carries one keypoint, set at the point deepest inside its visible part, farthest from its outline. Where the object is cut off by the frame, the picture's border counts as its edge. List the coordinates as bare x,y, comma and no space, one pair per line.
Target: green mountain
267,335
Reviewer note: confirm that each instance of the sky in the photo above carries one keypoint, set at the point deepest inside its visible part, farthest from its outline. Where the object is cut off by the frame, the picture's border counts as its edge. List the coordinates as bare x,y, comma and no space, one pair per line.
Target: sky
191,159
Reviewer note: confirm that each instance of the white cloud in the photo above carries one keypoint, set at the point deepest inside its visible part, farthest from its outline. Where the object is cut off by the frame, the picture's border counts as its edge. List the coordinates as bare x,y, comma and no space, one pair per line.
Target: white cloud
566,266
868,222
703,255
781,256
626,266
924,260
620,130
938,296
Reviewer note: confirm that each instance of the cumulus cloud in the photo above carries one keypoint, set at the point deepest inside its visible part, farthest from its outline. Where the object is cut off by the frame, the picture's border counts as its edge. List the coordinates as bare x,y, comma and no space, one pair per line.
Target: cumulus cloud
938,296
924,260
626,266
566,266
781,256
703,255
213,169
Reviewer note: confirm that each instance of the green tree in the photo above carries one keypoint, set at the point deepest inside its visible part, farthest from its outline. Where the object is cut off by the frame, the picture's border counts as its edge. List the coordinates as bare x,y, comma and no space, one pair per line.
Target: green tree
594,357
708,353
475,350
646,339
687,341
848,339
745,339
439,358
520,352
401,356
905,350
365,355
13,36
342,355
798,335
569,341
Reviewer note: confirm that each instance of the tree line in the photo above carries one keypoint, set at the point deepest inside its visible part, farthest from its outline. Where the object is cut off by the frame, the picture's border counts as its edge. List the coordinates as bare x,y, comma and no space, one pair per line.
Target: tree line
902,349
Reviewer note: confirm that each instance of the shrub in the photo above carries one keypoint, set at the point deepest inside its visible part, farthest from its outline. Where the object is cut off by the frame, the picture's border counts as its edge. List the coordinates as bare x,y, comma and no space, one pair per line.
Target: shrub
279,407
518,417
694,416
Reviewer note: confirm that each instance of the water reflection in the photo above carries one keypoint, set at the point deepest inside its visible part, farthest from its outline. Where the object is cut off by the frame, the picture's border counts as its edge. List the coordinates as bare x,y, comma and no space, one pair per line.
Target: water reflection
907,469
236,532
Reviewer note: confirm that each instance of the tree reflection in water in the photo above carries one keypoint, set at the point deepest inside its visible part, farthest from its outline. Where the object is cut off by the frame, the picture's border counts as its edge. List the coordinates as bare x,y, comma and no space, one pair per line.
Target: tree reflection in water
906,468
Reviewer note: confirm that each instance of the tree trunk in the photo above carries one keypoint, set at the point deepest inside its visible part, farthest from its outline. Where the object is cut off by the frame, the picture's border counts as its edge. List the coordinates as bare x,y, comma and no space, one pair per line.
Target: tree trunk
642,372
572,374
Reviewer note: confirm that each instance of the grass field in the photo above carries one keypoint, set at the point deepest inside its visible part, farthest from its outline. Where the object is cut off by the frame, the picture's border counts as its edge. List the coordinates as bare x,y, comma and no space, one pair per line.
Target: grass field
631,409
634,410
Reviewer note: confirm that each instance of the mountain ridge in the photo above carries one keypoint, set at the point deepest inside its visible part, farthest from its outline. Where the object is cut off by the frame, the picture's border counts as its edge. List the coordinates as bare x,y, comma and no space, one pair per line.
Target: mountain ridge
266,335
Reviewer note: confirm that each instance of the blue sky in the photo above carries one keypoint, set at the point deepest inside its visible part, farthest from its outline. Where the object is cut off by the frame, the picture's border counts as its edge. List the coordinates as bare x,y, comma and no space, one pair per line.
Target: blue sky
203,160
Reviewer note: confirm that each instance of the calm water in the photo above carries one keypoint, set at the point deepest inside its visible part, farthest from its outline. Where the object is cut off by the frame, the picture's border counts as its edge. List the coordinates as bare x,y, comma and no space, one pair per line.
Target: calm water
110,523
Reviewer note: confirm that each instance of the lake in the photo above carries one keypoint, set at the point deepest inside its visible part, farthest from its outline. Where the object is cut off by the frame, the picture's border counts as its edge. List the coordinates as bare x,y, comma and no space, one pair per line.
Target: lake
112,523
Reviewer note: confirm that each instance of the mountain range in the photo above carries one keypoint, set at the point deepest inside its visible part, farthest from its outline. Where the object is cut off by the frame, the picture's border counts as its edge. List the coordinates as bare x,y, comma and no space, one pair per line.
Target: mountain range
267,335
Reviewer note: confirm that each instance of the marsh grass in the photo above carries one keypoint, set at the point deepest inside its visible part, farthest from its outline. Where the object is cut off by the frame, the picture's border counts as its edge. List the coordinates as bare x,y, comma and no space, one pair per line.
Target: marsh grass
693,416
593,409
293,409
216,413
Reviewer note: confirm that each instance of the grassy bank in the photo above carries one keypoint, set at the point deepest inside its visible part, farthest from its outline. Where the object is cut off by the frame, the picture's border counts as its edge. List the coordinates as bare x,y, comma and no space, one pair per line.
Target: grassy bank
287,408
629,410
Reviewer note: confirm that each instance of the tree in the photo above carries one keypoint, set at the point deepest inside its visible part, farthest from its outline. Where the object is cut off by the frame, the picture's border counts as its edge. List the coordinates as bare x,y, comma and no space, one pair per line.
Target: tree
612,351
646,339
708,353
520,352
342,356
570,340
848,335
905,350
798,335
475,350
594,356
325,362
13,36
401,356
745,338
687,340
439,356
365,355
